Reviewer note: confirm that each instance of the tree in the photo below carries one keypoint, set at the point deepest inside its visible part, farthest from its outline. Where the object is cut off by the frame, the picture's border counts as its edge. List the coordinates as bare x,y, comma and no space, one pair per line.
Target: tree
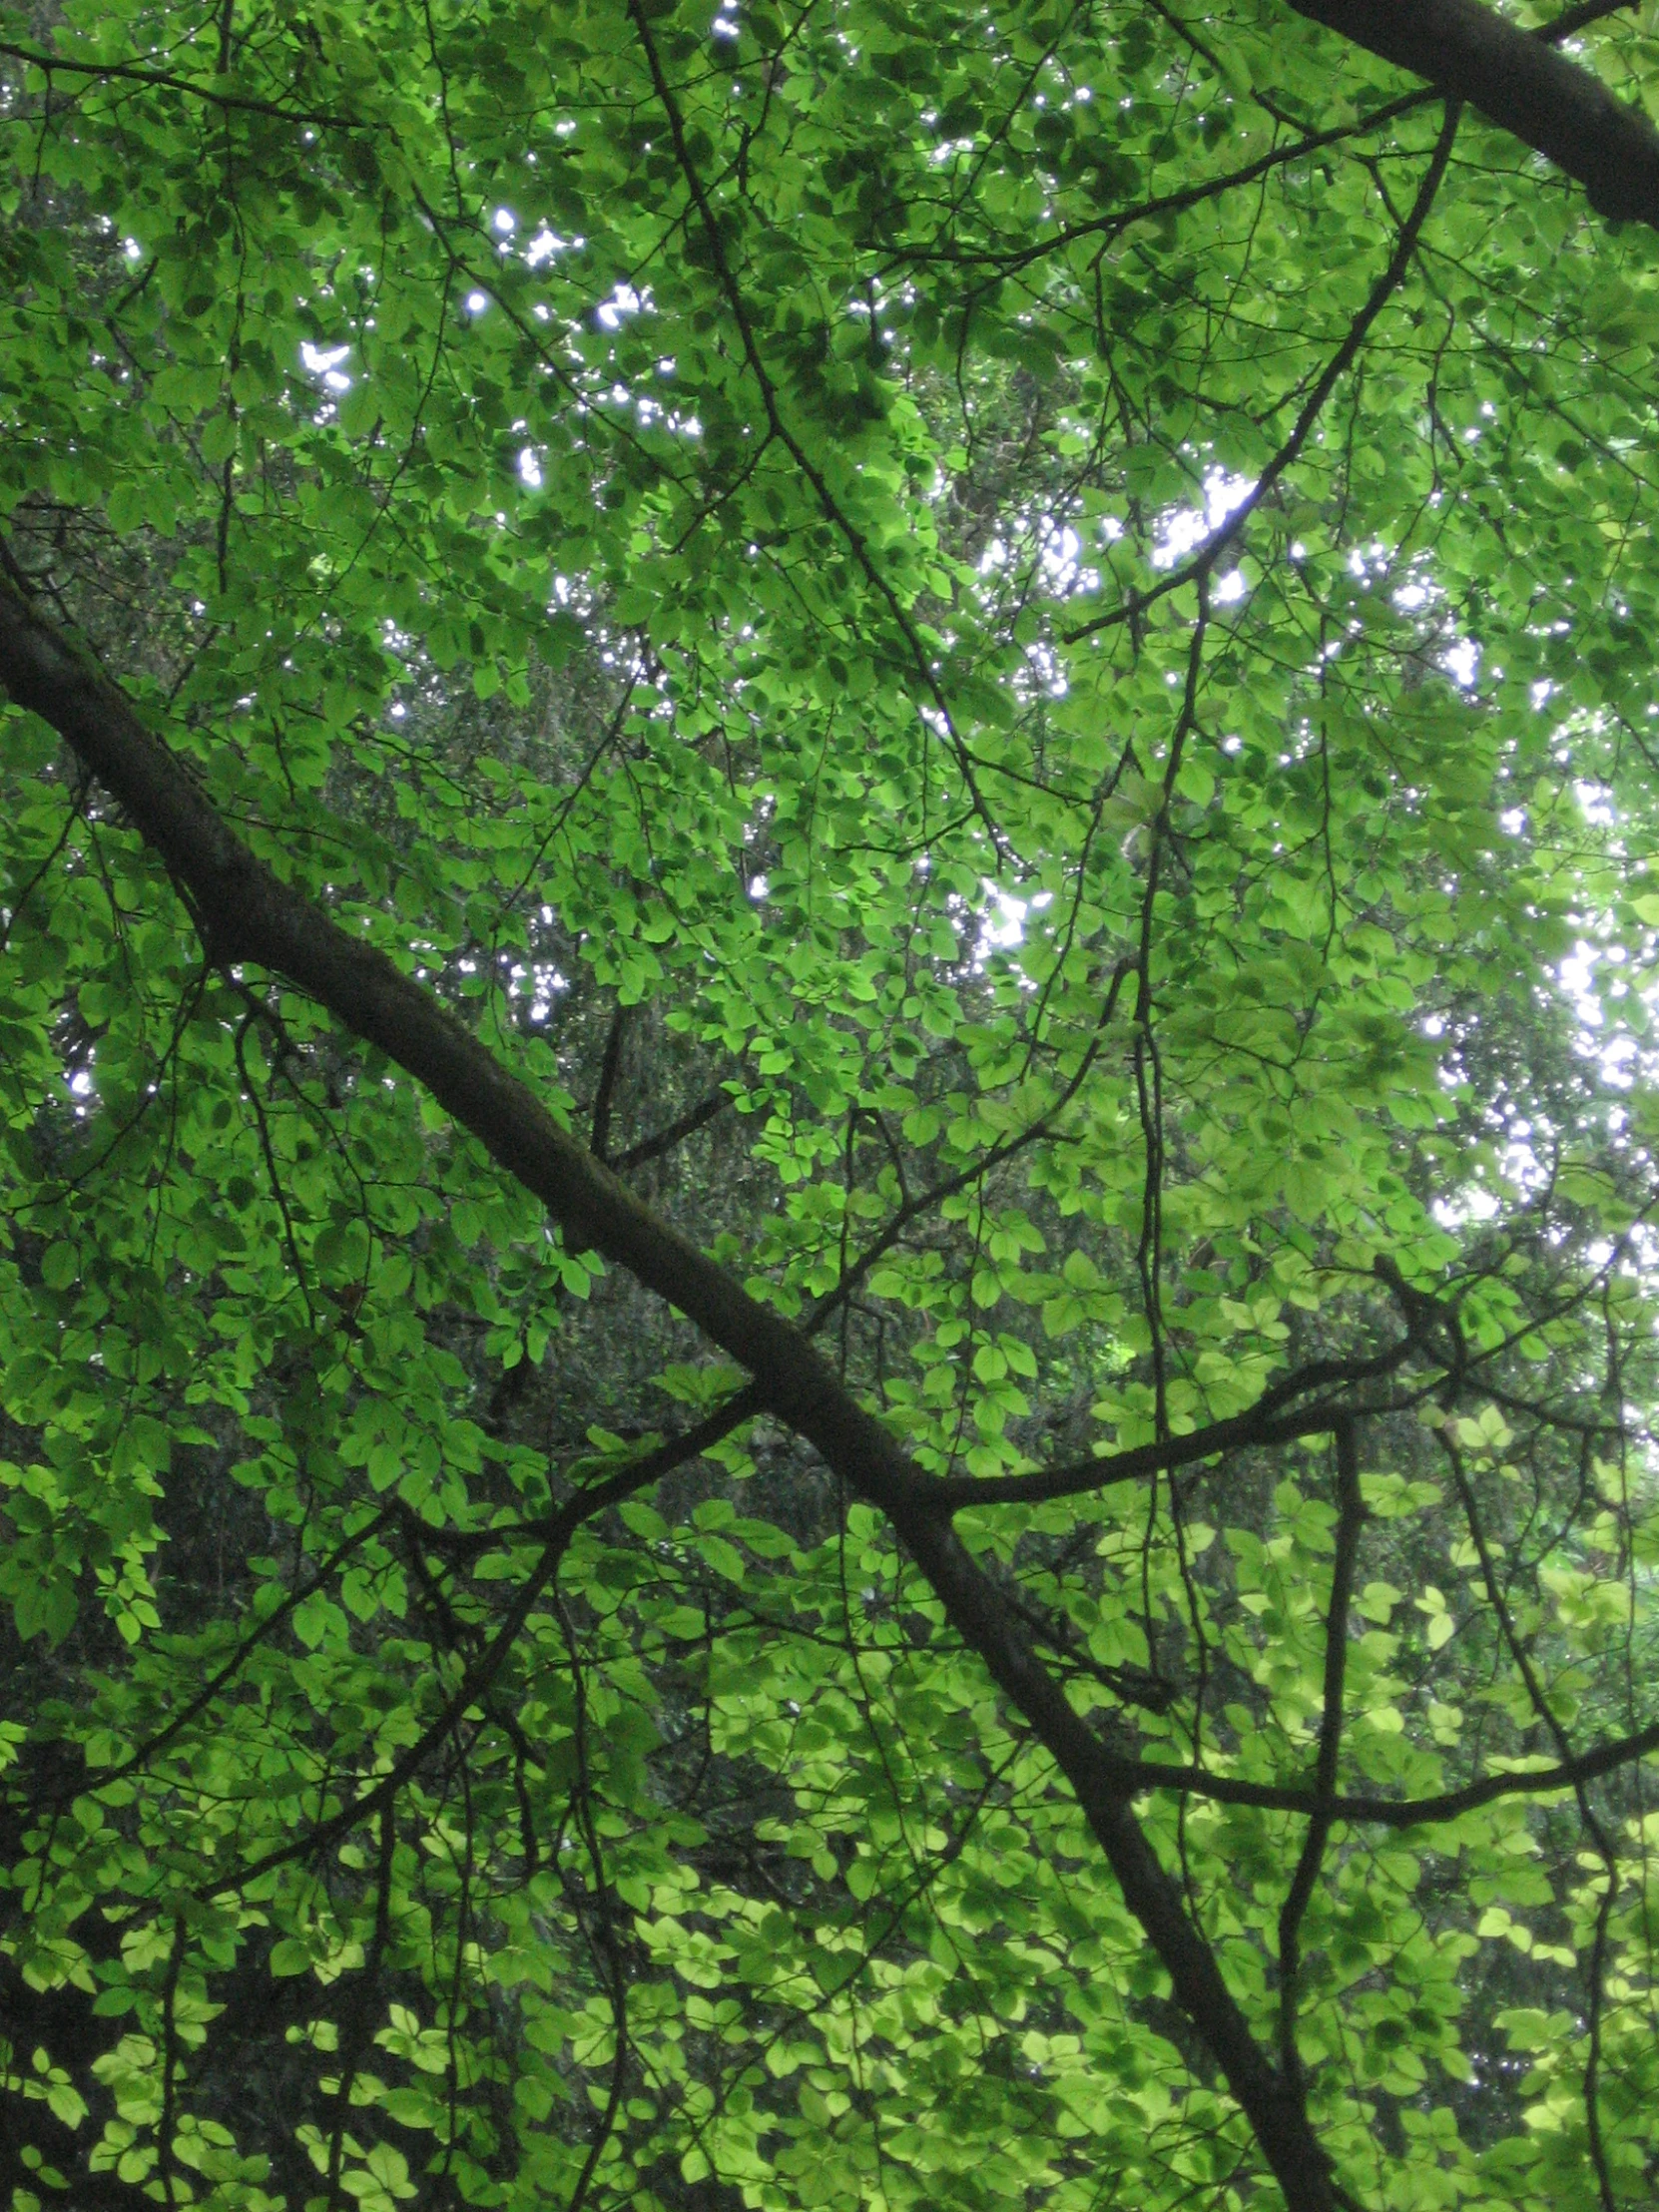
828,1294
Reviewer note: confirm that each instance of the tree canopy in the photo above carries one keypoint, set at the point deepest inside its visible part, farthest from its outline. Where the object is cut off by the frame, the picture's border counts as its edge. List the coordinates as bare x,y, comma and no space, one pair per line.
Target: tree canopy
829,888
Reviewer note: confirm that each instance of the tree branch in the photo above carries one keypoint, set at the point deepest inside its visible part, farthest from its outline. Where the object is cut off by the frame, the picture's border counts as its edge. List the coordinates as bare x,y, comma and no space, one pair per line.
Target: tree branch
100,1778
912,1205
482,1669
1009,260
1351,1519
1428,1812
832,509
1259,1424
687,1125
163,80
1515,79
250,914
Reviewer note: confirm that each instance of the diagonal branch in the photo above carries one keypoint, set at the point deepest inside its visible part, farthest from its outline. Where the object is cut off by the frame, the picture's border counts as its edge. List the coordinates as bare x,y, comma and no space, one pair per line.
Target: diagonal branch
1009,260
181,1720
249,915
676,1132
1515,80
913,1205
483,1671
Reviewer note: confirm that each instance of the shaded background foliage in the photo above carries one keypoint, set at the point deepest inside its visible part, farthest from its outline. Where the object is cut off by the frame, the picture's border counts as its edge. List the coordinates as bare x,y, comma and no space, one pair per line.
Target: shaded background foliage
1002,651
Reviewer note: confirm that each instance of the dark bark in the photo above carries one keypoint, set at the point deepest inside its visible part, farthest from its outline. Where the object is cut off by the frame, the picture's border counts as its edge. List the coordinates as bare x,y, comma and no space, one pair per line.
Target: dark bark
1517,80
244,913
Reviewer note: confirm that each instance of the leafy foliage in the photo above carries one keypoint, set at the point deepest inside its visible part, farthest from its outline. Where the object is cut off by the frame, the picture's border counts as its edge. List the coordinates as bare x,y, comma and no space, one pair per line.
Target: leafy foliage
1004,653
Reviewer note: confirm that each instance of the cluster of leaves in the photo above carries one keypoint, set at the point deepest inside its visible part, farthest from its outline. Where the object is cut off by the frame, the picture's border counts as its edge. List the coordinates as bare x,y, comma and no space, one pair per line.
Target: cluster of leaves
1002,651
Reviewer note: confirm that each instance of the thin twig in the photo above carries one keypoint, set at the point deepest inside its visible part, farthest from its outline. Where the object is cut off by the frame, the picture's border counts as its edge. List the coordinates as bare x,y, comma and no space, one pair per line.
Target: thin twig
1351,1515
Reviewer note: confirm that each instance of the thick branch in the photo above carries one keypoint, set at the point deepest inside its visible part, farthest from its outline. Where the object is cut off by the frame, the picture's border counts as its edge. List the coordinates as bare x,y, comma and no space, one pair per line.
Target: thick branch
1103,1785
1518,81
247,913
1243,1433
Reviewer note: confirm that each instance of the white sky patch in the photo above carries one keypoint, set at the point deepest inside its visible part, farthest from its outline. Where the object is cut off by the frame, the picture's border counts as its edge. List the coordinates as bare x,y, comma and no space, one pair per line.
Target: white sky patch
546,244
323,361
1002,922
1596,804
547,983
1002,919
625,301
1616,1056
1182,530
1059,558
1472,1204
